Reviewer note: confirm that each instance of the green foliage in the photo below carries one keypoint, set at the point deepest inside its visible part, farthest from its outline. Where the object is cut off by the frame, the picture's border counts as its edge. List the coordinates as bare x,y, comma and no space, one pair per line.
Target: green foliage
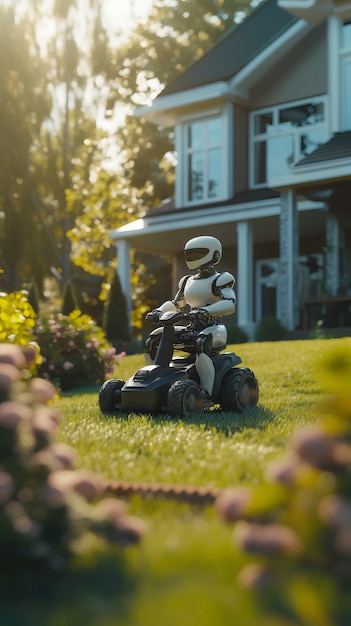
75,351
115,321
69,299
33,297
296,529
25,102
49,511
17,318
269,329
236,334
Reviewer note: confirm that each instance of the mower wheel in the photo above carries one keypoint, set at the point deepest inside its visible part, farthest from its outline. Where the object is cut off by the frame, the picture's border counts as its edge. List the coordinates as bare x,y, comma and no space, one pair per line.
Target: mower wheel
239,390
110,395
185,398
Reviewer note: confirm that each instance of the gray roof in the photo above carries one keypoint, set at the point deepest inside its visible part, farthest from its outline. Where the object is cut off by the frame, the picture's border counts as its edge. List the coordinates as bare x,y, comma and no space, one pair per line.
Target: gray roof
338,147
236,48
251,195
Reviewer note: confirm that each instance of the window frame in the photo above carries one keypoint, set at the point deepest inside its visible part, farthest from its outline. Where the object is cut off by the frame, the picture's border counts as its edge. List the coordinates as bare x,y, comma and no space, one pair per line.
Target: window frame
295,132
225,144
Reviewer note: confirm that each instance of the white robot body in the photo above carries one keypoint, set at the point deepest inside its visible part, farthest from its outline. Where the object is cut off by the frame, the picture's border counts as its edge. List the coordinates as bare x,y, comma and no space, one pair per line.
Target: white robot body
208,290
198,292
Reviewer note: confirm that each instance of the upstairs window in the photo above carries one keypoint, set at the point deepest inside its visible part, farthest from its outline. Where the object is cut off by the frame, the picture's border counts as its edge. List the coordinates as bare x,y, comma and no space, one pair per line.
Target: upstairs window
204,160
281,136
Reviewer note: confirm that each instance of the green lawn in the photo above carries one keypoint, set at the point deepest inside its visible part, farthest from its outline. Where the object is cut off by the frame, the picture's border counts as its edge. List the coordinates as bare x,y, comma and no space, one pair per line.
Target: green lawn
183,572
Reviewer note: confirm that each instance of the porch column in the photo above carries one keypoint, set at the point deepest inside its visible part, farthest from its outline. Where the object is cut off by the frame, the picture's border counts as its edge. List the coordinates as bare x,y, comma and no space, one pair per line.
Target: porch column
289,260
245,285
123,270
332,257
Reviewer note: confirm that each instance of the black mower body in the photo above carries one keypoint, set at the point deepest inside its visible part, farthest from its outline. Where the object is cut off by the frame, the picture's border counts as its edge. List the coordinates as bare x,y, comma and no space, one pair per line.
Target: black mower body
147,389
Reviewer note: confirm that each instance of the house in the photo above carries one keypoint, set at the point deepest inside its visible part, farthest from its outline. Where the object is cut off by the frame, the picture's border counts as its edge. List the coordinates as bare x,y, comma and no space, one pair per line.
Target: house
263,141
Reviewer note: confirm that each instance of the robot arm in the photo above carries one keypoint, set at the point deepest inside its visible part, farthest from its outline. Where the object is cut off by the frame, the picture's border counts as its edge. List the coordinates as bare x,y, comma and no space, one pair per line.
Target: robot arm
223,288
176,304
179,299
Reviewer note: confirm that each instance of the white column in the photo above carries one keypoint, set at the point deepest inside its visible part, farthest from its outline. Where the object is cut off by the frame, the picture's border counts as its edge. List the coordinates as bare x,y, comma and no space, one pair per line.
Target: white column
123,270
244,284
334,79
289,260
332,257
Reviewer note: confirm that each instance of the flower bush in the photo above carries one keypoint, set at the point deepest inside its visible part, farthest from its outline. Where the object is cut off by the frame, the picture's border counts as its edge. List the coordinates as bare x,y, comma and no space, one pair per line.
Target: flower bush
296,529
50,512
74,350
17,318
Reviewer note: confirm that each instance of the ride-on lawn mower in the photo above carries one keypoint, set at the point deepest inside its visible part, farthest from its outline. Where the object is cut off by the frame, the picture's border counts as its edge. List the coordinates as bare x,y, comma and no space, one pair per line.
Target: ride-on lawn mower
171,383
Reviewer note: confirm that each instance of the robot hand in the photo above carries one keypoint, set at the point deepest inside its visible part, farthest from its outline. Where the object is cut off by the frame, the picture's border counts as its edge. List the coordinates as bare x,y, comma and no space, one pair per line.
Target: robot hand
153,316
200,317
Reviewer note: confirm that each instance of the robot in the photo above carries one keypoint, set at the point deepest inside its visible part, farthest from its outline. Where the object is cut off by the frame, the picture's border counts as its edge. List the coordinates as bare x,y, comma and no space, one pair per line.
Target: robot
209,294
204,379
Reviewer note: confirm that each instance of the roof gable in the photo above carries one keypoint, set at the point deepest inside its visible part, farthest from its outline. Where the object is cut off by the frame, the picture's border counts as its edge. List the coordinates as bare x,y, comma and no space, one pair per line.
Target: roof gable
236,48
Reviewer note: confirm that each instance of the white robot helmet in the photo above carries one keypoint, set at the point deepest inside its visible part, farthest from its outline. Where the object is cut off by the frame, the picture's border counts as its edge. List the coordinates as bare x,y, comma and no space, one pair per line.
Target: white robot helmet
202,252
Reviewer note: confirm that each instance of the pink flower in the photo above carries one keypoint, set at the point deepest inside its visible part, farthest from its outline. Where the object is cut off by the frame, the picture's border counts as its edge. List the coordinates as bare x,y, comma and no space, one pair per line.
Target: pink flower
12,354
71,343
88,345
7,486
12,413
68,365
232,503
8,375
42,390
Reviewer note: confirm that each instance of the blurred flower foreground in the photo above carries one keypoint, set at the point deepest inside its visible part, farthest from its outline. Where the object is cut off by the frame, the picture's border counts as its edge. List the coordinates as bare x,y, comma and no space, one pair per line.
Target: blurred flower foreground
49,511
296,528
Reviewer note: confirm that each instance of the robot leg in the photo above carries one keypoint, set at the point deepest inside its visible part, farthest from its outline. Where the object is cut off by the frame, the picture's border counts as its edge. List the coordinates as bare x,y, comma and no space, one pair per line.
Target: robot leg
206,371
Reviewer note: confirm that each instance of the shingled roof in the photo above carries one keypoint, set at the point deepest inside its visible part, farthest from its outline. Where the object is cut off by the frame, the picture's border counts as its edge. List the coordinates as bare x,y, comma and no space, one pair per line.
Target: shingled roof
338,147
236,48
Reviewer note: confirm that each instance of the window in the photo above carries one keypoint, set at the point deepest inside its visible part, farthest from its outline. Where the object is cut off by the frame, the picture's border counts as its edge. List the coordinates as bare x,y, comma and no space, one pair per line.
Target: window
282,136
345,55
204,160
311,269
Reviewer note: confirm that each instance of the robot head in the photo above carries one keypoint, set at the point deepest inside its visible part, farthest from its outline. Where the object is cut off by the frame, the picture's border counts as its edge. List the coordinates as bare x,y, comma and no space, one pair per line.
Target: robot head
201,252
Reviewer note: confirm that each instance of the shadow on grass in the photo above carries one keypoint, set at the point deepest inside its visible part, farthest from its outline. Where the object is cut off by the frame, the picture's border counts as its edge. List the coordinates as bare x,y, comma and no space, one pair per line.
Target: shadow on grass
88,593
227,423
230,423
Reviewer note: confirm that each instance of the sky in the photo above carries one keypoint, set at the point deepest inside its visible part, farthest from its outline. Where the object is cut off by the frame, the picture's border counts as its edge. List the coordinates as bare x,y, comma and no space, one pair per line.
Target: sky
121,14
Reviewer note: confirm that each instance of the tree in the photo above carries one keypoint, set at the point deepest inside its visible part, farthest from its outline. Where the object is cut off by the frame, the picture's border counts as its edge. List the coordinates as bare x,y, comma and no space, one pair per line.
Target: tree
115,320
69,299
169,40
51,101
24,105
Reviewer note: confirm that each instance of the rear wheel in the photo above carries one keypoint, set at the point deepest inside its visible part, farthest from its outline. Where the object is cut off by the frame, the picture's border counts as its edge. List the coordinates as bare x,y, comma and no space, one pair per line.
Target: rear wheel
239,390
110,395
185,398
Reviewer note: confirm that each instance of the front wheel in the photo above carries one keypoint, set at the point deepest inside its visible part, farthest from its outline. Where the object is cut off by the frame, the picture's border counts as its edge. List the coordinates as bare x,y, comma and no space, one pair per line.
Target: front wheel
110,395
185,398
239,390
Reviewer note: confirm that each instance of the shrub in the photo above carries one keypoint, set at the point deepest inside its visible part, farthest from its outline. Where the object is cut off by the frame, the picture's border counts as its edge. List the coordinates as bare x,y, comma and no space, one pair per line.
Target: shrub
69,298
296,529
17,318
34,298
236,334
49,511
269,329
115,318
75,351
